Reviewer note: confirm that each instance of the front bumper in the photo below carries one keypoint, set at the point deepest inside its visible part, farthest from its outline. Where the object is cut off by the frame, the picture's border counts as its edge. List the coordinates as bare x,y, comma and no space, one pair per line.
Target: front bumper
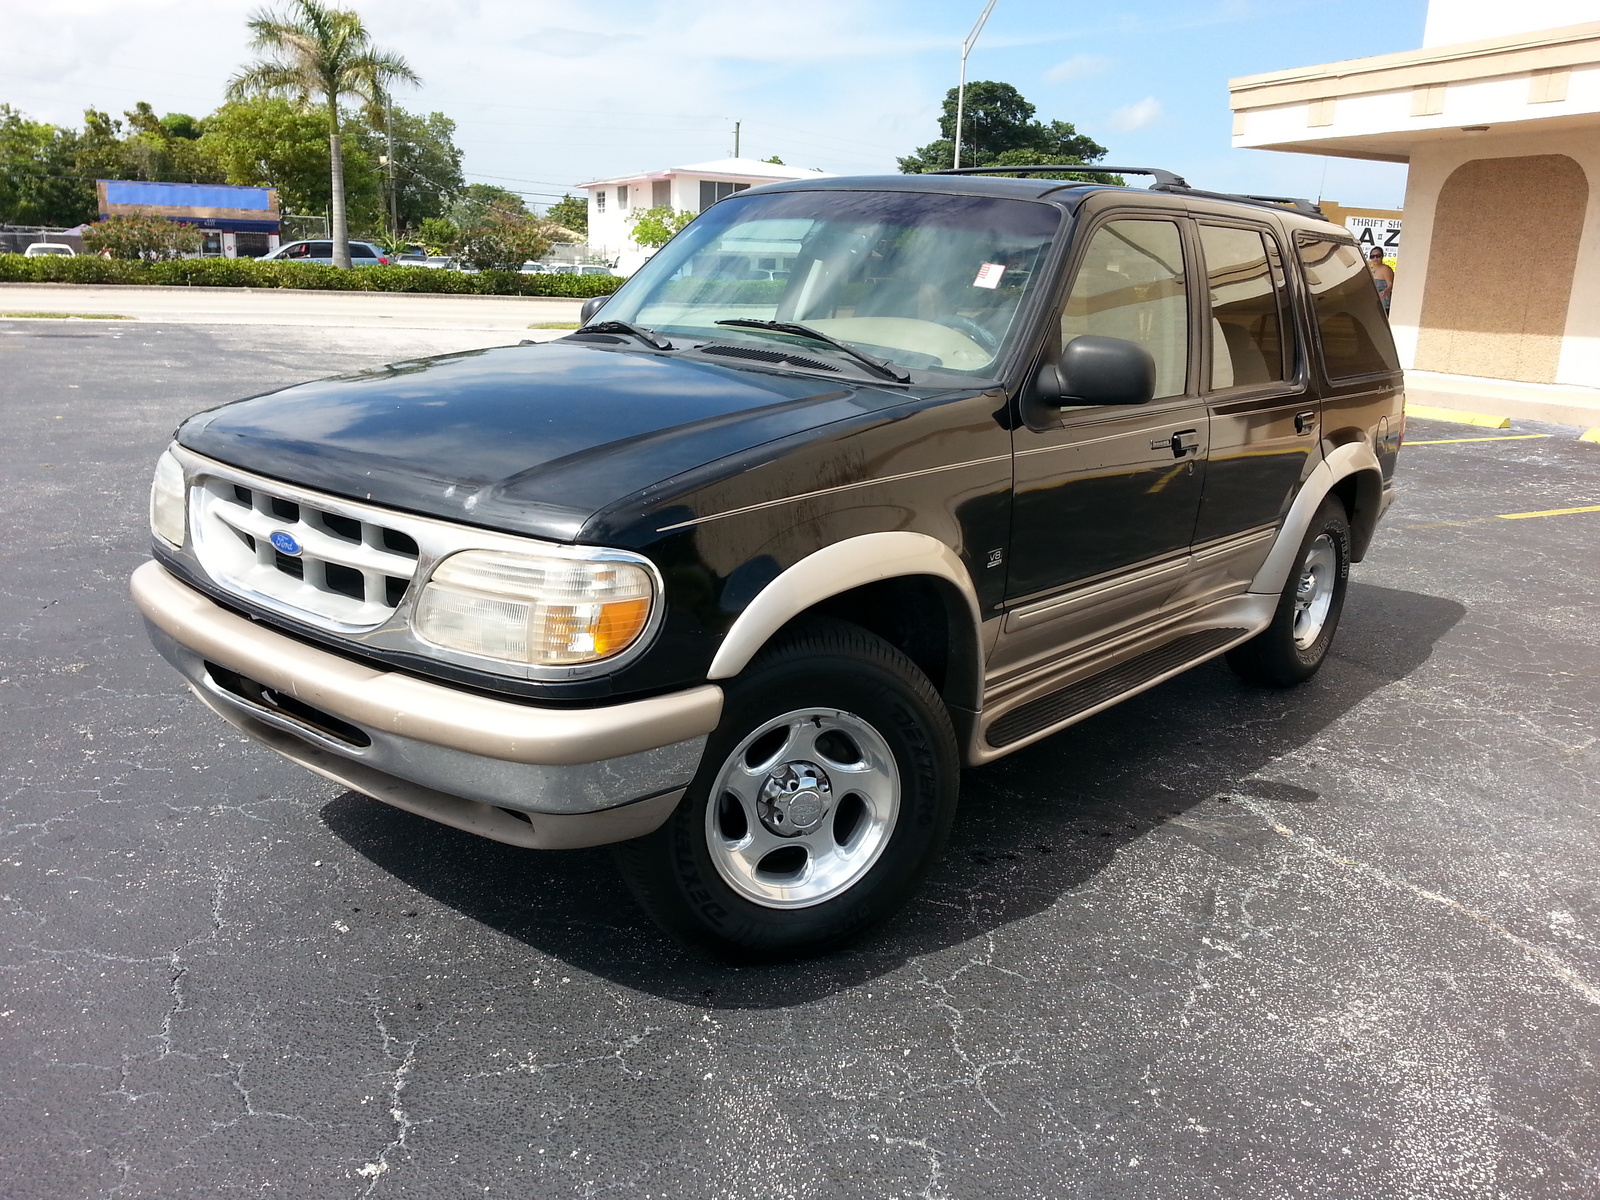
541,777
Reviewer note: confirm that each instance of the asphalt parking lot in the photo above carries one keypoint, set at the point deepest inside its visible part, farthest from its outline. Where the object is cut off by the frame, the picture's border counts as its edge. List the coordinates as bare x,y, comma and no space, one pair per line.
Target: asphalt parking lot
1219,942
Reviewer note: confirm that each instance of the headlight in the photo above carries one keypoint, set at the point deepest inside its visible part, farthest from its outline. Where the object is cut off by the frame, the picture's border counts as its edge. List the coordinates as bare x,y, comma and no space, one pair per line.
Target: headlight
526,609
167,500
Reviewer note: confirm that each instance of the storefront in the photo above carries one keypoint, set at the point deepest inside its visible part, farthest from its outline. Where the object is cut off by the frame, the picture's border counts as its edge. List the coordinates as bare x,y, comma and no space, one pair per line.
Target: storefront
237,222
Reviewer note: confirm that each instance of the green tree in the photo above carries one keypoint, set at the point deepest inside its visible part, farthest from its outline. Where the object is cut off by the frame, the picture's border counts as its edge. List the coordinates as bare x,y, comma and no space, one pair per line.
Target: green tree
570,212
775,160
36,173
439,234
477,199
271,142
997,120
427,175
152,150
502,241
320,55
657,226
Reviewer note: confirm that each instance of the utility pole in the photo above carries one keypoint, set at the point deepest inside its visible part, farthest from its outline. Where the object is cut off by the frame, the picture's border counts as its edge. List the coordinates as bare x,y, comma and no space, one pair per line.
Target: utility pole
736,139
394,200
961,89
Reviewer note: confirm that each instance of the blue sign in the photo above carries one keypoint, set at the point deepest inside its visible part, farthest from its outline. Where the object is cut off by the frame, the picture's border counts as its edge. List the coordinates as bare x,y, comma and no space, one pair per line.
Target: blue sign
284,543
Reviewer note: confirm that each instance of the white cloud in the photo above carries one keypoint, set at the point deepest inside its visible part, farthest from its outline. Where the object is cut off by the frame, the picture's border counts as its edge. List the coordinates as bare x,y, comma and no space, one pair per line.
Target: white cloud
1136,115
1079,66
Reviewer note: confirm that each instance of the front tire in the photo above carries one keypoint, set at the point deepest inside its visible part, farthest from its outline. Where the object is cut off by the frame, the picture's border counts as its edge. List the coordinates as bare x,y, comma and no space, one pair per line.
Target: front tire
1292,648
823,798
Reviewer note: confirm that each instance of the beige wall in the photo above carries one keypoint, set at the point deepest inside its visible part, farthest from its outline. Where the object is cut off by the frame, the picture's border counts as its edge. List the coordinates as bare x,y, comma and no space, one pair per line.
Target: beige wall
1456,314
1505,245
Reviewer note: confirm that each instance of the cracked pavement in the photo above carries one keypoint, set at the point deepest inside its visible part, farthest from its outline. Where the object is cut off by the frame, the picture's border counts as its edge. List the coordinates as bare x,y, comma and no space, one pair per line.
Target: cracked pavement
1216,942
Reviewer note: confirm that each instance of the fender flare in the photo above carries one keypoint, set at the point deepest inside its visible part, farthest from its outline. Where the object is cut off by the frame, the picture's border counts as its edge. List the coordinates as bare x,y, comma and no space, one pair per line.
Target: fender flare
836,569
1340,463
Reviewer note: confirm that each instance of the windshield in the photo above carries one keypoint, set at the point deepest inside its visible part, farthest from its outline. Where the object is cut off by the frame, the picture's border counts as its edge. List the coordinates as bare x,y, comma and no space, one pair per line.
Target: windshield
924,281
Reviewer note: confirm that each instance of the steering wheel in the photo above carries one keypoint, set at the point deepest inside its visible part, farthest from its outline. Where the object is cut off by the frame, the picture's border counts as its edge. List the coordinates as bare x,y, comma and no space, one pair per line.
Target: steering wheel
972,329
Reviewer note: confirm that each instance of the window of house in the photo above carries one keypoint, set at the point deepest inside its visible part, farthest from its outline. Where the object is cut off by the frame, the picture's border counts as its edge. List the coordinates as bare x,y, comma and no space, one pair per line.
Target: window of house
1350,322
622,198
600,201
1130,285
661,193
1248,308
712,190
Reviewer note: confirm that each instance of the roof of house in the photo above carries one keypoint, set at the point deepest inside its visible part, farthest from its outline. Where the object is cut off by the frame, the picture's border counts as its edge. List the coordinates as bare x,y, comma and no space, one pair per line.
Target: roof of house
724,168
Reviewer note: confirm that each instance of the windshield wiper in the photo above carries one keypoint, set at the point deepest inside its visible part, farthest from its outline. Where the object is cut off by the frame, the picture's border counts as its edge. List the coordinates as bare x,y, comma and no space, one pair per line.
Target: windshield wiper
887,370
647,336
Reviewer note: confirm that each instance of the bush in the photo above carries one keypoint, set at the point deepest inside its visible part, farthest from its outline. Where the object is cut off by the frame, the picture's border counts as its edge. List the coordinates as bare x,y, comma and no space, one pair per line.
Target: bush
141,236
249,272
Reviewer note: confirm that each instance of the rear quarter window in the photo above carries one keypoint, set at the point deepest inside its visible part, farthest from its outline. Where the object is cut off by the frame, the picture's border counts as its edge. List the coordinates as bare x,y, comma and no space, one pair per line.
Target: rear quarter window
1350,321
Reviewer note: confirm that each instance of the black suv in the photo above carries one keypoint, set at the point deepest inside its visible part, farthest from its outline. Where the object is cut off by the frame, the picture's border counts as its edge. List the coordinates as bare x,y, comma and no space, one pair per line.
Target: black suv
739,575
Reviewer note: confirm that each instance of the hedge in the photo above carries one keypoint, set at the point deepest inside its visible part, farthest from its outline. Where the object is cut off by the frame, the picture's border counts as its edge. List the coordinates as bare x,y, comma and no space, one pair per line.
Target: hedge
250,272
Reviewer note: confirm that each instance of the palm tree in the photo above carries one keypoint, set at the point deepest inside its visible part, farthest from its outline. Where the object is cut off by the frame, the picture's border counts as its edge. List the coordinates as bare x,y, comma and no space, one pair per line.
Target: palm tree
320,54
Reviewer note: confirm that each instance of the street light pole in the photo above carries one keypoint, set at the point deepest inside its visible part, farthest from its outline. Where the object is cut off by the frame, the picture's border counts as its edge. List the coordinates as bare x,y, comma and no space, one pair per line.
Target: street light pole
961,89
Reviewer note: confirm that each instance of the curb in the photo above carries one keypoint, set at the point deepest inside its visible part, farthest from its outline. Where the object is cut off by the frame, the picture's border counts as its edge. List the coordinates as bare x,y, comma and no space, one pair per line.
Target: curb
1592,436
1426,412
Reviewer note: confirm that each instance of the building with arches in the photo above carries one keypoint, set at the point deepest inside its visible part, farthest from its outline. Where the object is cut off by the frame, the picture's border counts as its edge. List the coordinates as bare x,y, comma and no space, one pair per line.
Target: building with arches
1497,300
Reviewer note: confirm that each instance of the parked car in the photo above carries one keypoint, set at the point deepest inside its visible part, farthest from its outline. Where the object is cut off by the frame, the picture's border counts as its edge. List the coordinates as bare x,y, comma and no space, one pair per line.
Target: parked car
362,254
49,250
740,581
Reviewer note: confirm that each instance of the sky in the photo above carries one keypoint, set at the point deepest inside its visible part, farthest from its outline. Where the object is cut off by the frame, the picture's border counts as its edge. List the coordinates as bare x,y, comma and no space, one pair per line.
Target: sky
549,93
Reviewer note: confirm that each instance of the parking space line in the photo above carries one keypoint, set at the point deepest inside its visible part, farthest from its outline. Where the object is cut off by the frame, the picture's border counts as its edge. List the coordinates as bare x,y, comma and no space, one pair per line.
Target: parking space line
1515,437
1426,412
1549,512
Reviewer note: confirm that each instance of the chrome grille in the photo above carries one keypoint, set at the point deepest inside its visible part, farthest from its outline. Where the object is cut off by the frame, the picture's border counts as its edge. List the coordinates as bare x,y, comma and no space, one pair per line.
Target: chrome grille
348,570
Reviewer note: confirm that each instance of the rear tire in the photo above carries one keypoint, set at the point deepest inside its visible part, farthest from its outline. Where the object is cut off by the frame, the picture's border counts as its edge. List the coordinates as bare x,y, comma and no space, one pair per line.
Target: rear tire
1292,648
824,796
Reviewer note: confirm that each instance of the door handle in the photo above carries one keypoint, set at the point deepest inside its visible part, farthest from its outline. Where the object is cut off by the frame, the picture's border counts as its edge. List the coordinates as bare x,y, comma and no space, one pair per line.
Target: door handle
1305,422
1185,441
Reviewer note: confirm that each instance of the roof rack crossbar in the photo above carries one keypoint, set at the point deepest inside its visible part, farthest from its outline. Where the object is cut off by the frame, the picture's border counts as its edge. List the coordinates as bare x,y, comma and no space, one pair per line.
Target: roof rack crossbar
1306,207
1163,178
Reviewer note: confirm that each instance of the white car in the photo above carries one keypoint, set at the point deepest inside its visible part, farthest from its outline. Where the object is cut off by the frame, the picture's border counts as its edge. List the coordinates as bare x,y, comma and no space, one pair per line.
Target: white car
49,250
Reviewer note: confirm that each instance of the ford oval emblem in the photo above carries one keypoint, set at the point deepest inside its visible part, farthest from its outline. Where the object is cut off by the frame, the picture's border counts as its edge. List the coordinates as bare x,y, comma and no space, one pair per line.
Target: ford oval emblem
284,543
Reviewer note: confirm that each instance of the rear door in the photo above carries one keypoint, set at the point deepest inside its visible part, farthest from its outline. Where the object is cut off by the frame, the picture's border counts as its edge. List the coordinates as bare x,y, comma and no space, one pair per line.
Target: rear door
1263,419
1106,498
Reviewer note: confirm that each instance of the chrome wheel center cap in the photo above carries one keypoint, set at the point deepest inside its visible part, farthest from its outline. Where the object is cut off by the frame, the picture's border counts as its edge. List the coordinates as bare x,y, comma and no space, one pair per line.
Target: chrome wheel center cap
795,799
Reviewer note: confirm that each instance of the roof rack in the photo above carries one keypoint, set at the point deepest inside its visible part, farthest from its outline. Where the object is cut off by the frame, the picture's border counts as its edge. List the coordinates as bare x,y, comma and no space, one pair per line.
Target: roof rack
1165,181
1163,178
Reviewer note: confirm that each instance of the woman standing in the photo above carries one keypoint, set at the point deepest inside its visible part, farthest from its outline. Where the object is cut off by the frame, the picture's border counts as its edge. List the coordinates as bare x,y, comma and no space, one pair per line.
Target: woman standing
1382,275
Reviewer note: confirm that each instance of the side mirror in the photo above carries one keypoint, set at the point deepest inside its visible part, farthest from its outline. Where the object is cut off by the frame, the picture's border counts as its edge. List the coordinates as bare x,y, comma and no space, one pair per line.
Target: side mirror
1098,370
591,306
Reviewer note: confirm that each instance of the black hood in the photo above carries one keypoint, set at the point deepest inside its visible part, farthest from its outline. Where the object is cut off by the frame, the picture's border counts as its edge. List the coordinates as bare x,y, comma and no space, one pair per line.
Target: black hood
531,439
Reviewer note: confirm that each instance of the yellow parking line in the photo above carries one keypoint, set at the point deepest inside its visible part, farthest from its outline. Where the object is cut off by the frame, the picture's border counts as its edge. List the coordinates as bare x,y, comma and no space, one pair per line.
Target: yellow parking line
1426,412
1549,512
1515,437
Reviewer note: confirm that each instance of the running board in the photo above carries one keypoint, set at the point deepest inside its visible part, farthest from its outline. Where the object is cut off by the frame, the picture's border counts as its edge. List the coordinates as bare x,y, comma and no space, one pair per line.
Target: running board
1078,700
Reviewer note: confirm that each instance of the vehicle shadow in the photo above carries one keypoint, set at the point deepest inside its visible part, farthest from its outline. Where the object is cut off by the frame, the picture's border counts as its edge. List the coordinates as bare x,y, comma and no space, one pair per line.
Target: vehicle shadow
1032,828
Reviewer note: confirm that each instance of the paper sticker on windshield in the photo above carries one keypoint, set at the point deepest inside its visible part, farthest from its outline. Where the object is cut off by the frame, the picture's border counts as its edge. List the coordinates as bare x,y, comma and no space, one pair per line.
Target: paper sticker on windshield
989,275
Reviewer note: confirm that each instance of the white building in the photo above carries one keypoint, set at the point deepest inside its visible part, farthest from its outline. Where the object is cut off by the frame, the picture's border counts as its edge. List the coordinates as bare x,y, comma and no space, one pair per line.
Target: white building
694,188
1497,297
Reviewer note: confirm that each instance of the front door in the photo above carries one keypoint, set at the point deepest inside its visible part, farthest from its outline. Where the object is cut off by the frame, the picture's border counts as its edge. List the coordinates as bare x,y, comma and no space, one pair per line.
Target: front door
1105,503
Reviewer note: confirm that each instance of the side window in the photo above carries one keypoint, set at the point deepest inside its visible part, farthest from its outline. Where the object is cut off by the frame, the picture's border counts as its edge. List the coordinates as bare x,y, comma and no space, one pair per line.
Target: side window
600,201
319,249
1130,285
1247,308
1354,332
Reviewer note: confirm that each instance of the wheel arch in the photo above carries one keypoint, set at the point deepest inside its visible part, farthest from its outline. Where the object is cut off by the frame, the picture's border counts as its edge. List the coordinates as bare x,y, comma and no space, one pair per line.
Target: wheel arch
891,583
1352,473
